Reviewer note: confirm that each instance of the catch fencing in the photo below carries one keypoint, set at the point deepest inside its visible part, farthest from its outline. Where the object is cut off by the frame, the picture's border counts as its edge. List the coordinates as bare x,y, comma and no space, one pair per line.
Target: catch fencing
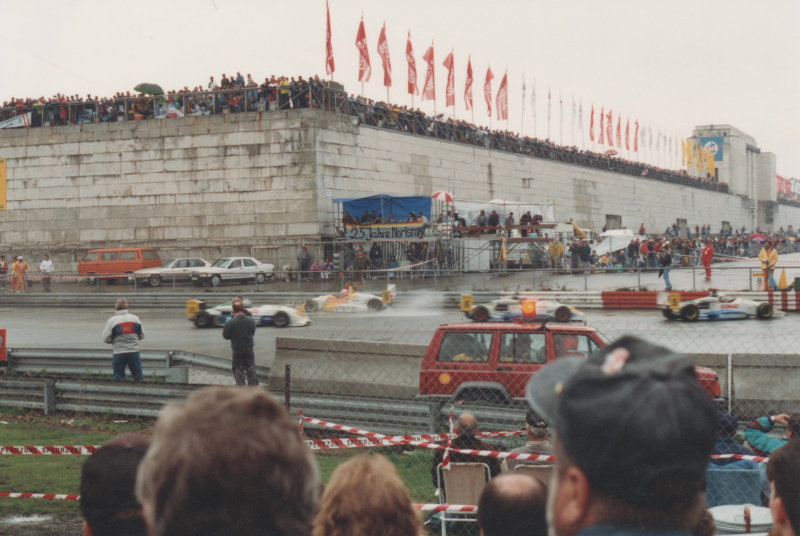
390,374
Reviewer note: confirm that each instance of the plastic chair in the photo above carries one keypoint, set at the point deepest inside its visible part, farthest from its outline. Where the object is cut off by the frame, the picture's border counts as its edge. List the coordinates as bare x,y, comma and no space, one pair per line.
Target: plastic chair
542,472
462,483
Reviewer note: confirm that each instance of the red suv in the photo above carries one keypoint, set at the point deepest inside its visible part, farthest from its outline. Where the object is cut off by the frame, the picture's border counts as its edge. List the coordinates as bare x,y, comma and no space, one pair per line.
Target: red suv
494,361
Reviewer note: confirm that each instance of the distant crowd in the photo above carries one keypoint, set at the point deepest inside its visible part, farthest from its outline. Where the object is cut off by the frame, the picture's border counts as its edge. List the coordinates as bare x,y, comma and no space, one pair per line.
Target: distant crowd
240,93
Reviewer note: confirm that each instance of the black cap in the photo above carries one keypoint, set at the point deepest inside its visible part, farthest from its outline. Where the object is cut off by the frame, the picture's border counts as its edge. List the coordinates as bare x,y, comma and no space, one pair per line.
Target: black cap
629,414
108,478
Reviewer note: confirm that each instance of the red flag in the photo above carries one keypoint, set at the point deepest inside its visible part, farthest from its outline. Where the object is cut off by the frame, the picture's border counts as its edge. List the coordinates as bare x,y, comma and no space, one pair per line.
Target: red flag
429,91
619,132
591,126
487,89
329,68
412,68
610,128
602,122
450,91
636,138
468,86
628,135
383,52
502,98
364,66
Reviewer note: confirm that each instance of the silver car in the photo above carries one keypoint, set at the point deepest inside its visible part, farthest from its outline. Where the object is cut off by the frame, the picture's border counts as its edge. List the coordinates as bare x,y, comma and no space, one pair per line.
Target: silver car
179,270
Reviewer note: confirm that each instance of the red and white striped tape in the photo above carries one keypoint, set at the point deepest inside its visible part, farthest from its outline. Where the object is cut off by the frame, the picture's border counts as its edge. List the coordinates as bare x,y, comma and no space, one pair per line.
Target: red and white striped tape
58,496
741,457
432,446
746,259
72,449
446,507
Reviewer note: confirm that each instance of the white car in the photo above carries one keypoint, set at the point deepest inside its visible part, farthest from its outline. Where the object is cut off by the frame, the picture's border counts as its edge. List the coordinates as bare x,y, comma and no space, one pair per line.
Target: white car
715,306
510,310
233,269
349,302
179,269
264,315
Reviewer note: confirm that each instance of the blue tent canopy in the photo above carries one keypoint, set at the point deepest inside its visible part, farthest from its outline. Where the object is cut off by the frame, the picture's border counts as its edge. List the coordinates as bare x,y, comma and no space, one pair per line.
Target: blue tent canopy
386,205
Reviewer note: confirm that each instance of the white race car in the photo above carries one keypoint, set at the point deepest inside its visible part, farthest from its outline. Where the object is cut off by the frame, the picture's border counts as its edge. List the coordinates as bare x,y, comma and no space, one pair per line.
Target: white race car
264,315
510,310
716,306
349,301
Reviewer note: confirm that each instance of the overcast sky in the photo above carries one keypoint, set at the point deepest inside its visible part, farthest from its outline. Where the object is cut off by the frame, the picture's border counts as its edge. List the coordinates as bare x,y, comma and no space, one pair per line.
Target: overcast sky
673,64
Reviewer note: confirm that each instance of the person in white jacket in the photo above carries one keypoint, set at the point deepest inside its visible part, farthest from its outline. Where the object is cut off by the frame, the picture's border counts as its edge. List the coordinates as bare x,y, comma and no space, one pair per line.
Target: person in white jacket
124,331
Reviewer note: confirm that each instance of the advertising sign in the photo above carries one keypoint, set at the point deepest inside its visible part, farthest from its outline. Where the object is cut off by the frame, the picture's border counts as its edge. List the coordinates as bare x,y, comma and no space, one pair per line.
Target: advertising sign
714,146
382,232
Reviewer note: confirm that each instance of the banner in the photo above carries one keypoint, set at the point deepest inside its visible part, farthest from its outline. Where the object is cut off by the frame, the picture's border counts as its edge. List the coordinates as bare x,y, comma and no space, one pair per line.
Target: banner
364,65
383,232
502,99
610,128
601,141
429,91
487,89
591,125
383,52
3,188
23,120
412,68
468,86
636,138
450,89
714,146
329,67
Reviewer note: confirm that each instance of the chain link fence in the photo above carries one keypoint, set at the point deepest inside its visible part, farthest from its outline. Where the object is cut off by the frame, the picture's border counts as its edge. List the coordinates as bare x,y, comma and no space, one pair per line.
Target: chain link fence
403,372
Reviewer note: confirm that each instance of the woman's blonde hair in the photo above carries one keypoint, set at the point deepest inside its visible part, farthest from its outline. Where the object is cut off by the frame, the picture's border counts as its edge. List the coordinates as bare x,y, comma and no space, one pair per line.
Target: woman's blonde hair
366,497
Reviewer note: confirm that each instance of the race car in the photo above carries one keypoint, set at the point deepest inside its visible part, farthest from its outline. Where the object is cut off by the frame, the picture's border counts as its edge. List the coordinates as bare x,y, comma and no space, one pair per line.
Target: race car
350,301
511,310
716,306
265,315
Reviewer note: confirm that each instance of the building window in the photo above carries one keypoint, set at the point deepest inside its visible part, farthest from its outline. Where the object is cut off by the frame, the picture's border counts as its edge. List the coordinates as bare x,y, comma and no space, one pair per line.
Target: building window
526,183
613,221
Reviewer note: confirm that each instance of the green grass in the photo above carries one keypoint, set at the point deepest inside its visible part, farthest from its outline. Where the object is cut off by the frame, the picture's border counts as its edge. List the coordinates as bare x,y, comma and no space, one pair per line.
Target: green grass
61,473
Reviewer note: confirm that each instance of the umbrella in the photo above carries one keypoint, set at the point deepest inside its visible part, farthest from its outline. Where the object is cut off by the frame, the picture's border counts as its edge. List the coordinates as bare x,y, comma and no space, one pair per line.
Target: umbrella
447,197
611,152
149,89
758,235
757,238
792,238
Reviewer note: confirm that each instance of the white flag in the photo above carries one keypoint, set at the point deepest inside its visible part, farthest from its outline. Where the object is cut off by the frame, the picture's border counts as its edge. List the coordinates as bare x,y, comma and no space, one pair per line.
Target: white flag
658,140
533,99
523,92
574,111
650,135
580,116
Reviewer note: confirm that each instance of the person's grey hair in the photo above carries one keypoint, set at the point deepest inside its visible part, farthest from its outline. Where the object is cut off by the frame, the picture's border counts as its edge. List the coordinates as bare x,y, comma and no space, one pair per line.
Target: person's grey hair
122,304
467,424
227,461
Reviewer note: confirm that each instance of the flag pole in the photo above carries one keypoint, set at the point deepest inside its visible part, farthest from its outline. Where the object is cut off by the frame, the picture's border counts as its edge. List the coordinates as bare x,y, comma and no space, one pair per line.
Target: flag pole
522,114
573,119
533,105
560,118
434,88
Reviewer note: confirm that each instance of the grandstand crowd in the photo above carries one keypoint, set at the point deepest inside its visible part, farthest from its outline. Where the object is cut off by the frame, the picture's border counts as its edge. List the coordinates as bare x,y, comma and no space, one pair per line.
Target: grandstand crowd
239,93
231,461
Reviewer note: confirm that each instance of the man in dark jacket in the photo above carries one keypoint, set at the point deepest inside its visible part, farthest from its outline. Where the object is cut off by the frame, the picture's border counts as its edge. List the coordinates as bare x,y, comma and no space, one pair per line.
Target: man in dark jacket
240,330
466,430
725,442
360,266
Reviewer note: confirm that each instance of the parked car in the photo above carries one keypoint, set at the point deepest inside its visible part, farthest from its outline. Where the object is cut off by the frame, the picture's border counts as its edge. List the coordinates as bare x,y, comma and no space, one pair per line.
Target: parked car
494,361
233,269
179,270
97,262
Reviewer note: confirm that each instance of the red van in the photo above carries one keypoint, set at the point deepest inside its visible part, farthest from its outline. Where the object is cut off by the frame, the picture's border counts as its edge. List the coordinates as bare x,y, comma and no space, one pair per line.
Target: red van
118,261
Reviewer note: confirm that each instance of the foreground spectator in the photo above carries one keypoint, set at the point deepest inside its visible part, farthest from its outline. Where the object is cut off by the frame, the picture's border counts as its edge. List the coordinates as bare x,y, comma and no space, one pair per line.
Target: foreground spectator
513,505
783,473
108,481
366,497
466,429
228,461
538,441
634,432
124,331
726,443
757,432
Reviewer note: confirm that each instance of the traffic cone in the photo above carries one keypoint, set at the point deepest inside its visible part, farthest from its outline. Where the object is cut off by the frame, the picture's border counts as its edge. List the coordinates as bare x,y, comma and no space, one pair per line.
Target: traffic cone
782,283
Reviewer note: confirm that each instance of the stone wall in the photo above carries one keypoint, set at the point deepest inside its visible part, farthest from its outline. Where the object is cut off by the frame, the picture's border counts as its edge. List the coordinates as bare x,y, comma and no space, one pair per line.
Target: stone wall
263,183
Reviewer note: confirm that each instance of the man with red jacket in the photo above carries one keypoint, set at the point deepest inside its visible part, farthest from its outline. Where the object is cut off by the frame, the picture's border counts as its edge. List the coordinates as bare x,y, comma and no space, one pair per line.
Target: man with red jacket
706,256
